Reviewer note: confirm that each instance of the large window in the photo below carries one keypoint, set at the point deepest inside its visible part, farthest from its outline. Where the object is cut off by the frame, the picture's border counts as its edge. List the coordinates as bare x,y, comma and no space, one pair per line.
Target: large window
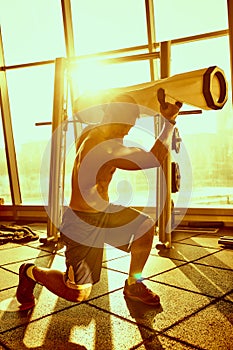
207,136
33,37
180,18
32,30
105,25
32,33
31,96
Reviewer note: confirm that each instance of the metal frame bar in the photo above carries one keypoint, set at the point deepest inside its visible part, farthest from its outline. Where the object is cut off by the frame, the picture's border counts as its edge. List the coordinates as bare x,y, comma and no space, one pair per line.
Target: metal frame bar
8,133
230,23
184,40
38,213
122,59
149,4
68,27
55,199
70,50
164,173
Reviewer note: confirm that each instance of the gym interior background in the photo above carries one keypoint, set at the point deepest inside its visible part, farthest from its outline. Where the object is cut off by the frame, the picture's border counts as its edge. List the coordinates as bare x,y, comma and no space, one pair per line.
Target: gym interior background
115,44
119,43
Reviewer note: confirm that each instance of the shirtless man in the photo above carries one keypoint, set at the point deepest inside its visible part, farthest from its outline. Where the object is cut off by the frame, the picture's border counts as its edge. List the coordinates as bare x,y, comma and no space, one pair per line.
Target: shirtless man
90,221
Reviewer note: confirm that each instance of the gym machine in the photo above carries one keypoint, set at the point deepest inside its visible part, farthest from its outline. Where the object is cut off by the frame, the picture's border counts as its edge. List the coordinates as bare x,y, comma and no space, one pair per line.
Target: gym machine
205,88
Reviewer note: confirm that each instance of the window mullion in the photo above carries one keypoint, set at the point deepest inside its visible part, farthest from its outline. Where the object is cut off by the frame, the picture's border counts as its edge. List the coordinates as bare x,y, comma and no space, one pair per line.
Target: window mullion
8,133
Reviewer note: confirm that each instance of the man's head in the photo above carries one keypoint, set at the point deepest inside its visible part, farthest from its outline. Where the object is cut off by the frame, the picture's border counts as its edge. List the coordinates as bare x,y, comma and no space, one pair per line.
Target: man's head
122,109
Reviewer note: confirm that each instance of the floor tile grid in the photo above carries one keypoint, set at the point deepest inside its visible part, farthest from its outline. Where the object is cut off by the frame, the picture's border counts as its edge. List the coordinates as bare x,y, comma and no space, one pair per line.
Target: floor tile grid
185,262
214,300
197,261
42,248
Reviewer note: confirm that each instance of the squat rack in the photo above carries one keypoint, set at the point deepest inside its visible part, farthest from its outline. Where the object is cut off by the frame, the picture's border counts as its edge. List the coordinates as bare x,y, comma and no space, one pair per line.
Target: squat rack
58,149
210,92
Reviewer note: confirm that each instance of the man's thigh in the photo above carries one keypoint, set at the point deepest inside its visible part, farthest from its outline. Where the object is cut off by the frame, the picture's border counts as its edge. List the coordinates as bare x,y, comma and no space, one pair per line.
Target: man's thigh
124,226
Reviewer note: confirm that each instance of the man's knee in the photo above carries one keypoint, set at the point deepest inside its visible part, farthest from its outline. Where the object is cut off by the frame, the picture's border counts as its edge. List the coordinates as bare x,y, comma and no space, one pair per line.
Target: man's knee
147,227
77,295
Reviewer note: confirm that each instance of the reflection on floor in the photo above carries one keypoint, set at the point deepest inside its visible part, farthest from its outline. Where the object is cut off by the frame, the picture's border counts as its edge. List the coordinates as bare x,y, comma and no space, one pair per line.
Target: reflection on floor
194,280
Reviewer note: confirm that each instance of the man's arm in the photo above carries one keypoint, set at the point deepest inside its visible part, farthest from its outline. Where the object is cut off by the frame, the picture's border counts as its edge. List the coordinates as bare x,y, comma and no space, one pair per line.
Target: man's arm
136,158
169,111
133,158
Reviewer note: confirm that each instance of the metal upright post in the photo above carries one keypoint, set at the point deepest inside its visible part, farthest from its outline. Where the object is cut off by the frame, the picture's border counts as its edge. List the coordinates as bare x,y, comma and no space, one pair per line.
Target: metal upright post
164,173
70,50
55,199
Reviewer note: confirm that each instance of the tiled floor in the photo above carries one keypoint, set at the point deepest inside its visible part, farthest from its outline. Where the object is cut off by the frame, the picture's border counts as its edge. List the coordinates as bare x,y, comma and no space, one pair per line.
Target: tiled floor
194,280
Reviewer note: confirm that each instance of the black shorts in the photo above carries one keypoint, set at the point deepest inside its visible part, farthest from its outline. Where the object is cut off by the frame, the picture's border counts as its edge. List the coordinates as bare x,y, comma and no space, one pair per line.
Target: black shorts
85,234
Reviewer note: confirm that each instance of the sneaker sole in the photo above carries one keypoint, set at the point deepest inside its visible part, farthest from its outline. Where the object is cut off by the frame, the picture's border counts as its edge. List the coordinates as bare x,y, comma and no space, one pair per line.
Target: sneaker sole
142,301
27,306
